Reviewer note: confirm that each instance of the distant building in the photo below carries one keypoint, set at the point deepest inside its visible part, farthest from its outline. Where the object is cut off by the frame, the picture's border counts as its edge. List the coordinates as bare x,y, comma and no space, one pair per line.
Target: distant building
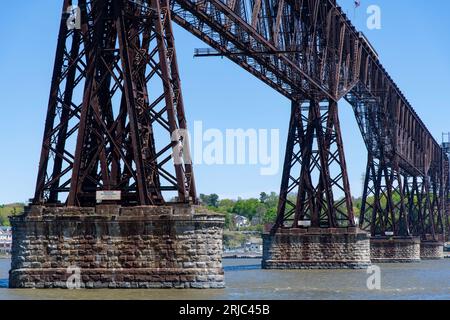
240,221
253,247
5,240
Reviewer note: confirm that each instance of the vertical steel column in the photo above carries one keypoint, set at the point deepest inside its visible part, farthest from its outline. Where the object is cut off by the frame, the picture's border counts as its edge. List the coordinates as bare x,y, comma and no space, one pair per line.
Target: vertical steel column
57,78
315,148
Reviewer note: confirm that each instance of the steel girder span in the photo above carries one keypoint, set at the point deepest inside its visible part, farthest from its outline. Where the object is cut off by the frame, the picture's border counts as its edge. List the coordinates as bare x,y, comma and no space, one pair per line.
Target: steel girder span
309,51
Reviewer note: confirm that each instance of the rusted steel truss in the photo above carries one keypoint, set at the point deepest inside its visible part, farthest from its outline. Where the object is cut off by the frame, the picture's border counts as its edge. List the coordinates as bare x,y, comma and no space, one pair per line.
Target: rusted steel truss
316,63
314,56
104,111
315,149
115,109
400,149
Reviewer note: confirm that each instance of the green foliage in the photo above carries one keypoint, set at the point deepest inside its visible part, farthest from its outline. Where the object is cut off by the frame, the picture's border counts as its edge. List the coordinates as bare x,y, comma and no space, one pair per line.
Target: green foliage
246,208
263,210
263,197
9,210
211,200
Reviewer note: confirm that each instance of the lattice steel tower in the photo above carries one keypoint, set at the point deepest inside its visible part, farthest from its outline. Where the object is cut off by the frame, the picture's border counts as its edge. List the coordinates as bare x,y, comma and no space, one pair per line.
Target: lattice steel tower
115,109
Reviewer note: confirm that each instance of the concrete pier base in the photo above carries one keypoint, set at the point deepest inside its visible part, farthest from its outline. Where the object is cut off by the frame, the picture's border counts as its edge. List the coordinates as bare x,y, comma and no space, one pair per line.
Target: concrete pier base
395,249
117,247
316,248
431,250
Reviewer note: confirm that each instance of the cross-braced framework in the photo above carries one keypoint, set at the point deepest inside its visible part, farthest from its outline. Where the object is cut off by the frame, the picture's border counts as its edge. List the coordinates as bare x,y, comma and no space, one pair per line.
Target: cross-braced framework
315,151
383,208
405,179
116,110
105,111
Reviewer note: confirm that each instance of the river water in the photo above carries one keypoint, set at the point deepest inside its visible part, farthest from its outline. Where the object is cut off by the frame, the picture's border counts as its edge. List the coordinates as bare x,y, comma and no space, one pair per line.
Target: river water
427,280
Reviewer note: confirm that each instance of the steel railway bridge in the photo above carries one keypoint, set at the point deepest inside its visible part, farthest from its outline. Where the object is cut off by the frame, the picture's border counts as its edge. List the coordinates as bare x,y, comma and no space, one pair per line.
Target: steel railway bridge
116,106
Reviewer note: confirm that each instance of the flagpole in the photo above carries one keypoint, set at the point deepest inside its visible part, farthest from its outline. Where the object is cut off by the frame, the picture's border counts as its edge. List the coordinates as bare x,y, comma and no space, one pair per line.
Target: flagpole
357,4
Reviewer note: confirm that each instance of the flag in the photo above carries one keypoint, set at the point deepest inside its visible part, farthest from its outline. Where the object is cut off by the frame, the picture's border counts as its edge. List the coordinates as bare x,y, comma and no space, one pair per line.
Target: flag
357,3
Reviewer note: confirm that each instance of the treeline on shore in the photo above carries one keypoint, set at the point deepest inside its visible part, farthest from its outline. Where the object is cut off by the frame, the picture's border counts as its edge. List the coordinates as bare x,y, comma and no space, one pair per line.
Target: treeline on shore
262,210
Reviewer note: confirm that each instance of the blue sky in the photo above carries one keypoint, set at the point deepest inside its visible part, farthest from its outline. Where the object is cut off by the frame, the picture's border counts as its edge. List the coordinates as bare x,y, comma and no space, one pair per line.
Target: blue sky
413,44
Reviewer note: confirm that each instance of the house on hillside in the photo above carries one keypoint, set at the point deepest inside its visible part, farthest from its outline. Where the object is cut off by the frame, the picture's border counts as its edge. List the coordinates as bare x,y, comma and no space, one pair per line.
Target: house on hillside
5,240
240,221
253,247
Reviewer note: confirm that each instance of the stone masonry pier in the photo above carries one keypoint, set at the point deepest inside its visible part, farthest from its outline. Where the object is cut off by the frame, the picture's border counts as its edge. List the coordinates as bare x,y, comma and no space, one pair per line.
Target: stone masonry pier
394,249
431,250
316,248
117,247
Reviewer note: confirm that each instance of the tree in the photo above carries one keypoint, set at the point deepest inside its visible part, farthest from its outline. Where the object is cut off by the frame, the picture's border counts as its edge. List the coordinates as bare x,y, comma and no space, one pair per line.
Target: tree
261,210
272,200
203,198
211,200
226,205
263,197
270,215
246,208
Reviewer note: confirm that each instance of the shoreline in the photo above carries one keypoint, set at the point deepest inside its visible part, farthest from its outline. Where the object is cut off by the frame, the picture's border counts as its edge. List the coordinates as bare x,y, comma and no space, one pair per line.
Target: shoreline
242,256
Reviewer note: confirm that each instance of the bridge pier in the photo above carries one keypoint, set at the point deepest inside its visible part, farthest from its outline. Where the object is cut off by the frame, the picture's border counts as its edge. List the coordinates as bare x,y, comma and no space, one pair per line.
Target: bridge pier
117,247
431,250
394,249
315,248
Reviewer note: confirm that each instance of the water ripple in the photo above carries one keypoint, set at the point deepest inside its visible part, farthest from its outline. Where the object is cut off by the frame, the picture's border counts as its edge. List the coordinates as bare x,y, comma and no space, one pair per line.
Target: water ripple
4,283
